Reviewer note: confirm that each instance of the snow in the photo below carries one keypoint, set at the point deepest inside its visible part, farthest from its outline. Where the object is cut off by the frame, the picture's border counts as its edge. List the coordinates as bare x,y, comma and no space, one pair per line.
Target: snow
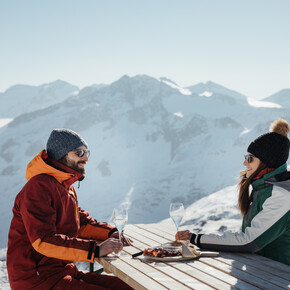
178,114
5,121
206,94
183,91
76,92
211,89
263,104
214,213
21,99
4,283
282,98
127,200
246,131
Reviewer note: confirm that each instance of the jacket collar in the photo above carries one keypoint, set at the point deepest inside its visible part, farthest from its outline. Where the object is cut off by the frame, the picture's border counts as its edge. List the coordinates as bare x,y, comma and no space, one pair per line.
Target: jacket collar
41,164
261,181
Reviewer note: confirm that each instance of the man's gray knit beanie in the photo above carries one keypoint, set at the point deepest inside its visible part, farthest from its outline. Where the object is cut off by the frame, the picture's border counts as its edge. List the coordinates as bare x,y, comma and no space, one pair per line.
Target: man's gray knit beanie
62,141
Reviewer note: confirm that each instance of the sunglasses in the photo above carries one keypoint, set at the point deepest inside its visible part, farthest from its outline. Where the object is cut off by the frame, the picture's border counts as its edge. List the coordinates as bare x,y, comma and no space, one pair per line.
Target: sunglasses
249,157
82,152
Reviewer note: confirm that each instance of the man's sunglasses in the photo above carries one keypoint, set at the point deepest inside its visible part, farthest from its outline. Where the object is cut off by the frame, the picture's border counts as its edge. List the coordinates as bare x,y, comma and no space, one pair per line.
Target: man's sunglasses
82,152
249,157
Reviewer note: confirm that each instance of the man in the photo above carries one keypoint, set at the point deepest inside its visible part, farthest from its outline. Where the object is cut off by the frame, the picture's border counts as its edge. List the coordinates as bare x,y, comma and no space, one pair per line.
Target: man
49,230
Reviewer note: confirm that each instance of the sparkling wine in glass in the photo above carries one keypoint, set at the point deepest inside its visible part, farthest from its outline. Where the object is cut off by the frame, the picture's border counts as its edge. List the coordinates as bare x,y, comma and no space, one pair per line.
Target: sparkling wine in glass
120,218
176,213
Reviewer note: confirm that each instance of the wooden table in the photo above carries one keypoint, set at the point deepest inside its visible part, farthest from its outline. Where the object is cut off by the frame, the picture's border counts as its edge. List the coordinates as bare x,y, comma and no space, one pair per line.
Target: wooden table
227,271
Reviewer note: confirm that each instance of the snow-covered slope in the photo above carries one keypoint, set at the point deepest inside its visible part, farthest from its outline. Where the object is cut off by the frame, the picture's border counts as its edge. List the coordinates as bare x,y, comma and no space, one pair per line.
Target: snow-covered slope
216,91
215,213
282,98
4,283
152,143
5,121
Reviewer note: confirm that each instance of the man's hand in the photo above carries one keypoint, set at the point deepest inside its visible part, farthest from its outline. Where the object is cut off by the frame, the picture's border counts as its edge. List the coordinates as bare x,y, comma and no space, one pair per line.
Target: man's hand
125,241
183,235
110,245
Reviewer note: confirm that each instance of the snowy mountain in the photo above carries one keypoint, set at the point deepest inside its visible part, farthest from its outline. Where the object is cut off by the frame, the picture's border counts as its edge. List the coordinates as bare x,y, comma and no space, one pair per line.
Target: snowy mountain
282,98
21,99
213,90
152,142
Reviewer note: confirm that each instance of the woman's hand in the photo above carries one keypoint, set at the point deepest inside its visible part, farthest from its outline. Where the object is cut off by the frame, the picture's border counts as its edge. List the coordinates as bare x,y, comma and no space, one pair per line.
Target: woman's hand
183,235
125,241
110,245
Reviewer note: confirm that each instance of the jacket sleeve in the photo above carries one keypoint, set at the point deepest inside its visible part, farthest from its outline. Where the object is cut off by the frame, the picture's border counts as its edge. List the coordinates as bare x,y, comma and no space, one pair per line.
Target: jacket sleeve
39,218
266,226
92,229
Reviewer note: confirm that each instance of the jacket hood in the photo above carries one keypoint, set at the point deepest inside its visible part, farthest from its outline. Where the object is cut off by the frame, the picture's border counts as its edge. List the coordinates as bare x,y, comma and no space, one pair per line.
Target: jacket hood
281,180
38,166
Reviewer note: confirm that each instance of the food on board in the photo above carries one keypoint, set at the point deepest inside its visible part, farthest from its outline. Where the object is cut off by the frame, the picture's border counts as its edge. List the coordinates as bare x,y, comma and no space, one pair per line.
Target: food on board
171,250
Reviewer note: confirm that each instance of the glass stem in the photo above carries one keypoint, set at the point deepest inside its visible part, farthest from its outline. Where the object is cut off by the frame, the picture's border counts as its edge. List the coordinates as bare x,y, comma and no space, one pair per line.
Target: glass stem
120,233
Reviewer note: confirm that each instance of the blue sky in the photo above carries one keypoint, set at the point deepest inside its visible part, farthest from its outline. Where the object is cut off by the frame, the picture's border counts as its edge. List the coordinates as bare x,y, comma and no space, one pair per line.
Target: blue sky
243,45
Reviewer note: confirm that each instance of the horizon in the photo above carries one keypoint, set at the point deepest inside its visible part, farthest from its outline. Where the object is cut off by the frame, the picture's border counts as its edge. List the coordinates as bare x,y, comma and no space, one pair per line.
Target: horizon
107,84
241,46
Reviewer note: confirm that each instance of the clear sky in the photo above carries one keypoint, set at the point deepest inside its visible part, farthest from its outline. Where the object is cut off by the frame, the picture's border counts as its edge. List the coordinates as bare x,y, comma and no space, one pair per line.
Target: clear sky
243,45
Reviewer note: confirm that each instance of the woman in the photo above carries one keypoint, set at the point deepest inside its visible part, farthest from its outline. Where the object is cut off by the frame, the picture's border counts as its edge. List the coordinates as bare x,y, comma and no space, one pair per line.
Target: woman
266,211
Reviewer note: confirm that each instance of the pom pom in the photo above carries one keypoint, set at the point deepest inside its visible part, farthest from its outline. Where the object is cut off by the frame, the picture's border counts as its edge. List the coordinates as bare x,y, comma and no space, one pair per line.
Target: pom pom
281,127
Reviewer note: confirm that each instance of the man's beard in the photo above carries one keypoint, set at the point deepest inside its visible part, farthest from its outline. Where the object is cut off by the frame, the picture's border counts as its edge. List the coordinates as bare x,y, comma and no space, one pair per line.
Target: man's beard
73,165
78,169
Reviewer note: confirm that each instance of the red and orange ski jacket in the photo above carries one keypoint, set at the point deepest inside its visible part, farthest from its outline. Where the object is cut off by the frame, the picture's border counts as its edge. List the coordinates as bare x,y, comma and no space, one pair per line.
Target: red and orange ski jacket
48,229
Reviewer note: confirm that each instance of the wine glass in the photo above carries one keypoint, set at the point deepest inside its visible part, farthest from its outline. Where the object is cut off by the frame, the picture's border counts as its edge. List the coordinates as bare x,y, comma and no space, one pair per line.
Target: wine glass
120,218
176,211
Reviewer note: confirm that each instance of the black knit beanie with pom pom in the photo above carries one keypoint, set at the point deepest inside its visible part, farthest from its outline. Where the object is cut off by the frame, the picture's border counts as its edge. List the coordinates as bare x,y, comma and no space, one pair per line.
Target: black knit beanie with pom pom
272,148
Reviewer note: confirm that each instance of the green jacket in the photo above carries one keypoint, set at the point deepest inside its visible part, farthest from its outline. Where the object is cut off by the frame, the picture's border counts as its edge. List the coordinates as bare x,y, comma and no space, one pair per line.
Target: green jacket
266,225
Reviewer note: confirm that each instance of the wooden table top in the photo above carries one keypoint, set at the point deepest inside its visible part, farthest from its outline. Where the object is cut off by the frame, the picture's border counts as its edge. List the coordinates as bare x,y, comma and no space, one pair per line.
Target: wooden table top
226,271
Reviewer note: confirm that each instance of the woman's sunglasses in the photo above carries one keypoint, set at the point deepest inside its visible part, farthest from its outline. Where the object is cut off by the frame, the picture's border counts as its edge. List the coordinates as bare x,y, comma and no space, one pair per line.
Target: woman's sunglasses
82,152
249,157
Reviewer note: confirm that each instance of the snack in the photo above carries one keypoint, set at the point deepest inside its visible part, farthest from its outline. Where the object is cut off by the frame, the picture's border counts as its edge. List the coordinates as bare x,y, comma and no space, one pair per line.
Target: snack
162,252
172,249
189,251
